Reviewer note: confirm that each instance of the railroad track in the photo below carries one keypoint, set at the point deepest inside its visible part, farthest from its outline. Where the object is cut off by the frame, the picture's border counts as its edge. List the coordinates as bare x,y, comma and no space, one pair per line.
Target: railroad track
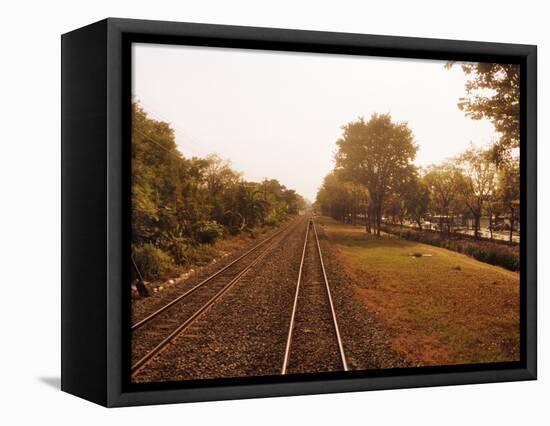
154,333
314,343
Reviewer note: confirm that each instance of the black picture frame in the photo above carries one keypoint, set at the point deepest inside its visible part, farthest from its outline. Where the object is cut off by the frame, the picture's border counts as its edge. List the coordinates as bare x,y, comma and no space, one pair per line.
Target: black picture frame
96,102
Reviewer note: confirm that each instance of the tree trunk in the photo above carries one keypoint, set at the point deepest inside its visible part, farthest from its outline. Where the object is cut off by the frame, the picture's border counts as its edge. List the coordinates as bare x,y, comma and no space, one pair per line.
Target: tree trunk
378,219
477,218
353,210
511,226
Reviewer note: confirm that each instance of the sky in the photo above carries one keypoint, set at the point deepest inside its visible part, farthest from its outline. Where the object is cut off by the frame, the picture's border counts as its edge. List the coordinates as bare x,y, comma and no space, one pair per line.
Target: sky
279,114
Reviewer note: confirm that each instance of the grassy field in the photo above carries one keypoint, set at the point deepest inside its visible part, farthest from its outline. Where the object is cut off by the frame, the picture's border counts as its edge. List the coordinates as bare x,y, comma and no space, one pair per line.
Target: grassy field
441,308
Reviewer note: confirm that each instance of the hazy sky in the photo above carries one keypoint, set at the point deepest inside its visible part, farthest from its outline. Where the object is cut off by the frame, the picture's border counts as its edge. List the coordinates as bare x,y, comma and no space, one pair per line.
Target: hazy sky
279,114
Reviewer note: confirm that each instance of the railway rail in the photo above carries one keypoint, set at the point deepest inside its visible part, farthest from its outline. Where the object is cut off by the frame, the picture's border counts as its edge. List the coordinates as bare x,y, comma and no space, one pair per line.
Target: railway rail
152,334
314,342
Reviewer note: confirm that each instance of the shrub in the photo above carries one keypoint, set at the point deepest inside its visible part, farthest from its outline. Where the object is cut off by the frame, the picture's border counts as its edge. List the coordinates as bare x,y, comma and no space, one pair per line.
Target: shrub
182,253
153,263
233,222
272,220
207,231
508,261
177,247
201,255
188,252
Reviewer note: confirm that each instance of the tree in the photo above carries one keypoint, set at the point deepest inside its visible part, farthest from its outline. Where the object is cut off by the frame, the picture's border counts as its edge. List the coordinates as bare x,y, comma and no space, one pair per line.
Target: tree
493,92
493,207
219,179
443,181
181,203
155,166
359,203
417,200
334,197
378,155
409,199
395,208
478,182
251,204
509,191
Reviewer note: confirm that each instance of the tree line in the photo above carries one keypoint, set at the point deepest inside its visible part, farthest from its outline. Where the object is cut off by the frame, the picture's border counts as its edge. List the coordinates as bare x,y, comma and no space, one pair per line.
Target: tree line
374,176
181,206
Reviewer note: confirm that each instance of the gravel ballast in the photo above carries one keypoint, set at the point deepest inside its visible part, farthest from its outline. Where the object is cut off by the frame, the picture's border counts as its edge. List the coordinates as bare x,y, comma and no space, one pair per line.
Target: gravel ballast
314,347
244,333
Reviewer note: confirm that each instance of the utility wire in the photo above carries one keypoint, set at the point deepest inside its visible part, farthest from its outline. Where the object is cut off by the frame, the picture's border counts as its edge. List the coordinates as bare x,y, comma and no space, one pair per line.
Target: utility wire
156,143
151,111
257,178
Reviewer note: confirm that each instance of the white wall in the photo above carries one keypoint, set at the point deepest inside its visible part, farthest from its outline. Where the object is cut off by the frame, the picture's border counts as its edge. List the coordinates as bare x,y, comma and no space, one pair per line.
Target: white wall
30,194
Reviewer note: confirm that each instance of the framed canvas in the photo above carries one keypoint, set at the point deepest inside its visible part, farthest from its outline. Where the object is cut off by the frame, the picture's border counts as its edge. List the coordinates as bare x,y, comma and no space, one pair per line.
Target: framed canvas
253,212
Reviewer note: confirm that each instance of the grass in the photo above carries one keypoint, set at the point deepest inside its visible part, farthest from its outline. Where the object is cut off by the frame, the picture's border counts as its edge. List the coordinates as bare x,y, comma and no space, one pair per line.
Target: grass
442,307
493,252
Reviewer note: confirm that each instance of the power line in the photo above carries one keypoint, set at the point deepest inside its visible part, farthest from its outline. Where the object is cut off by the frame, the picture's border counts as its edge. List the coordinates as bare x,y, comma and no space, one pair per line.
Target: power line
151,111
147,137
157,144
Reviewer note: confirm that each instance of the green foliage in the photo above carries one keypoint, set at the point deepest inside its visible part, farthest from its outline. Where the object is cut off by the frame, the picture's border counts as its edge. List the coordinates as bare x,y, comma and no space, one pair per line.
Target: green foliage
153,263
201,254
444,181
493,256
508,192
477,181
373,180
207,231
182,206
493,92
416,199
378,155
335,197
233,222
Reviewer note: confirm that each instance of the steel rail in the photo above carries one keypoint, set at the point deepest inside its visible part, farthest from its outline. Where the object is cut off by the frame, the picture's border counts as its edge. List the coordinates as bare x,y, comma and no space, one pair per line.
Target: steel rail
138,365
332,310
203,282
295,305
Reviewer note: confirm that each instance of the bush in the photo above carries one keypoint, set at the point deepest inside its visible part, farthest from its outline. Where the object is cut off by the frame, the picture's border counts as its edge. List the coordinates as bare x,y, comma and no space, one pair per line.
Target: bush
507,261
153,263
207,231
233,222
271,221
201,255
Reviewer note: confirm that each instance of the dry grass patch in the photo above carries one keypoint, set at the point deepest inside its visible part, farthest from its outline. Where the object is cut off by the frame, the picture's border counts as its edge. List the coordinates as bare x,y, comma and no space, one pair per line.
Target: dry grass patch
440,308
